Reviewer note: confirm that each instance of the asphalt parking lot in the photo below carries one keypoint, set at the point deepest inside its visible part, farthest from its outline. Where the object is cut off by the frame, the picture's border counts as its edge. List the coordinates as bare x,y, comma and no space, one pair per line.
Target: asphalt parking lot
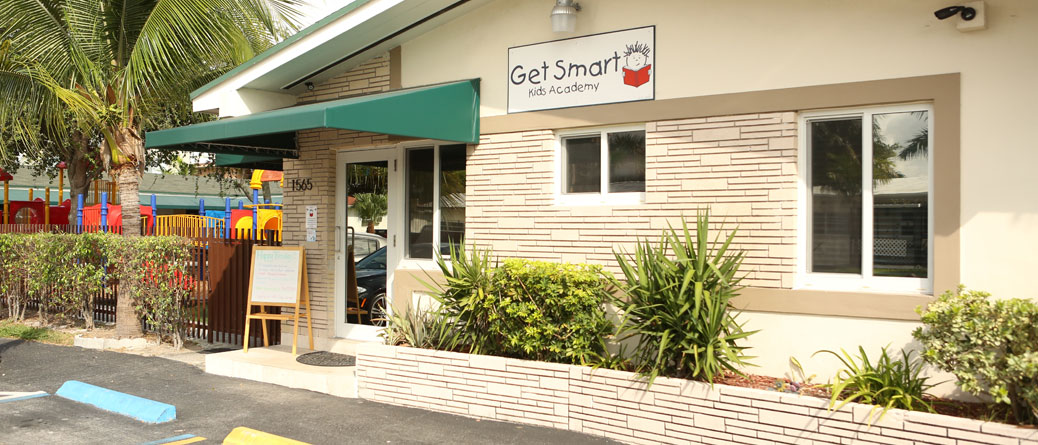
211,406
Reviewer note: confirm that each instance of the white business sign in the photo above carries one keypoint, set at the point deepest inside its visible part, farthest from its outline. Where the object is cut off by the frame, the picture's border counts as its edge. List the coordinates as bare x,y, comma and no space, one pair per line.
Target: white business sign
590,70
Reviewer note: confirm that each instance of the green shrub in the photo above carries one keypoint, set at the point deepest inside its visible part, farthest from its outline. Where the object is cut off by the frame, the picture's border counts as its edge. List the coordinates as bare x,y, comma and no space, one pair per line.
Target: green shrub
155,270
64,272
532,310
676,301
991,346
888,383
549,311
13,269
87,276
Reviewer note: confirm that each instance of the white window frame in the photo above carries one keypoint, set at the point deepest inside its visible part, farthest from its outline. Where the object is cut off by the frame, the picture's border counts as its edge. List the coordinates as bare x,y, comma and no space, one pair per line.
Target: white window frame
603,197
864,281
406,261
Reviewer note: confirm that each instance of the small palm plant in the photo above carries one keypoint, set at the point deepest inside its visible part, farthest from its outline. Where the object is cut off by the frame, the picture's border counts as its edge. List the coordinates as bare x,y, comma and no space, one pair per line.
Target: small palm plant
887,383
677,300
371,208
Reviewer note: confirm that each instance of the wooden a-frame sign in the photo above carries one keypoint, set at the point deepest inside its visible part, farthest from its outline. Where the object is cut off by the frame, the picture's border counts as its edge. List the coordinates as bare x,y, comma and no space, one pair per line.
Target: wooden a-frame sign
277,277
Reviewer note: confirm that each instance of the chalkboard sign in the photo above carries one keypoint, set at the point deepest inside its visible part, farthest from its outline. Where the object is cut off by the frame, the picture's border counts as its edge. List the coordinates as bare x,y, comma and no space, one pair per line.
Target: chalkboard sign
277,277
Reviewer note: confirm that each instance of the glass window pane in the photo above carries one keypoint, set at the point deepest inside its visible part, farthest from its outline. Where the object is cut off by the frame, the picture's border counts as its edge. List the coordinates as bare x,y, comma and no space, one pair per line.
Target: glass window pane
583,169
366,199
452,197
419,203
901,182
627,161
835,184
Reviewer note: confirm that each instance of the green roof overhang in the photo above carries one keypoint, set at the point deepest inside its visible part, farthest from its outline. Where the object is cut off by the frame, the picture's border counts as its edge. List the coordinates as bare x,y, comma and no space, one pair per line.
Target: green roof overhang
448,112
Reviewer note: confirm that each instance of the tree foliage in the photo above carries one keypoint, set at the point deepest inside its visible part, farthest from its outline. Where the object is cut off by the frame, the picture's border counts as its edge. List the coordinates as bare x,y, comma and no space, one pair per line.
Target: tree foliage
111,67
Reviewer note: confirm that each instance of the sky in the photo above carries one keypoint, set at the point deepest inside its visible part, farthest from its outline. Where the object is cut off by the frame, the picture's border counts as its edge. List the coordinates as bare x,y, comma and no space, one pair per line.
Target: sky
899,128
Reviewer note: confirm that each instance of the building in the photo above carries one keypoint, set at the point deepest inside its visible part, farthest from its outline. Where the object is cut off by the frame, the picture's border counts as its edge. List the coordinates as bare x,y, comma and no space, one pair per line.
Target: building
870,154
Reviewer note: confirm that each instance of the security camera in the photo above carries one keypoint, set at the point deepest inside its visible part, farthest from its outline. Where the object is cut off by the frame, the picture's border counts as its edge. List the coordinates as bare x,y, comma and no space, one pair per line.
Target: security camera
967,13
309,86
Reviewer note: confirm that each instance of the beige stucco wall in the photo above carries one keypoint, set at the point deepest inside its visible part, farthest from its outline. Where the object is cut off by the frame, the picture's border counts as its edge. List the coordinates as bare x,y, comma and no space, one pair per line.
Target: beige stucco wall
710,47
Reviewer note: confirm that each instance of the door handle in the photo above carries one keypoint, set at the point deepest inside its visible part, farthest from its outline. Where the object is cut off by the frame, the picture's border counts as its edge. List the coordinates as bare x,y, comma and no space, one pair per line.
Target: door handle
338,230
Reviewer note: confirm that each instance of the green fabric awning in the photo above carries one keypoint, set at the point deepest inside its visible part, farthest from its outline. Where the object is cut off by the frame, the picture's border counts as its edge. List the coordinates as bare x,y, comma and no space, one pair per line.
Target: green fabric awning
448,112
263,162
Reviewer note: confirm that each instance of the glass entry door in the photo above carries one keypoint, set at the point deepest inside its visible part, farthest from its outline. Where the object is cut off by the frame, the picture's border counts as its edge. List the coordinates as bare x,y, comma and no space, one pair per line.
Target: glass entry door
366,255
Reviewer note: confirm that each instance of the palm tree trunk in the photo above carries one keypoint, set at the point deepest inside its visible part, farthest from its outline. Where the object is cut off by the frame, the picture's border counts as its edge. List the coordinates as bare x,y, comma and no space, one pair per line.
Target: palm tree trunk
128,176
79,169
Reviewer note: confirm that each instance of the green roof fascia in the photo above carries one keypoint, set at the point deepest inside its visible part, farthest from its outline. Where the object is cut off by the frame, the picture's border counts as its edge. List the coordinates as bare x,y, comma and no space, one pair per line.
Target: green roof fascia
448,111
279,46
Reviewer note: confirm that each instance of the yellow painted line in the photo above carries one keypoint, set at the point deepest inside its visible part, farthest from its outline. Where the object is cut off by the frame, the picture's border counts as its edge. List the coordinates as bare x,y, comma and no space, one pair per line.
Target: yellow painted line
249,436
182,442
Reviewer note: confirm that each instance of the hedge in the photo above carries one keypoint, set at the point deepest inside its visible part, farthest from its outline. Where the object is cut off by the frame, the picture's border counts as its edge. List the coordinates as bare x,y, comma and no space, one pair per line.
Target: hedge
63,274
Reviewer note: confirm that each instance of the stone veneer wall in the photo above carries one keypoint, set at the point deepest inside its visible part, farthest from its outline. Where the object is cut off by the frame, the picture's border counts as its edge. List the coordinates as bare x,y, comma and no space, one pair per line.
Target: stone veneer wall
615,405
317,162
744,167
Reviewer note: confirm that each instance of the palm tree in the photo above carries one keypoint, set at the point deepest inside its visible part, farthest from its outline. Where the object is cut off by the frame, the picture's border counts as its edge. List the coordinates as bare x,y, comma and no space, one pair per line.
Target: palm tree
106,66
371,208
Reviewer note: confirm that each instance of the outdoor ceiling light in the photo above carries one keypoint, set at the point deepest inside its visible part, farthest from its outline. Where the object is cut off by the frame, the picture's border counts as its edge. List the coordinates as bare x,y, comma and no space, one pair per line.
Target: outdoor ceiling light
966,12
564,16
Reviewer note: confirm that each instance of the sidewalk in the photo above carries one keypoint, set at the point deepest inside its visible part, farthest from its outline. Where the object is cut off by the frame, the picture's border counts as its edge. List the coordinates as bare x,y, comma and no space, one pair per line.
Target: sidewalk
211,406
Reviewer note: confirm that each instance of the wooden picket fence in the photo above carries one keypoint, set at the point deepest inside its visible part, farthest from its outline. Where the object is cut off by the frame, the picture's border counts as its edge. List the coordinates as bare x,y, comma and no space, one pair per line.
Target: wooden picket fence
217,279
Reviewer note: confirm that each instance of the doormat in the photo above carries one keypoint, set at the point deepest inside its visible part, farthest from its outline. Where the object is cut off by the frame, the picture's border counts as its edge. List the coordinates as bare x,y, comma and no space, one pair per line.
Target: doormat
325,358
216,350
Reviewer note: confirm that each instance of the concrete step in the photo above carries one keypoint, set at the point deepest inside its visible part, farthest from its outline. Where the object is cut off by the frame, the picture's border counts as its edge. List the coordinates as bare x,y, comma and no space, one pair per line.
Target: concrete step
278,366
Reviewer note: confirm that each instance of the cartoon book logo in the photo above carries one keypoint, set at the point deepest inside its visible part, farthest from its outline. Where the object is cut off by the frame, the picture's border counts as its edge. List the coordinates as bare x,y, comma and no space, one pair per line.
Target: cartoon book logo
636,72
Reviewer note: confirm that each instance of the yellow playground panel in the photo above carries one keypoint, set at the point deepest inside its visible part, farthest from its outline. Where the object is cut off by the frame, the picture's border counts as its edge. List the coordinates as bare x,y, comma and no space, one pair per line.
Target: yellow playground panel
188,225
268,219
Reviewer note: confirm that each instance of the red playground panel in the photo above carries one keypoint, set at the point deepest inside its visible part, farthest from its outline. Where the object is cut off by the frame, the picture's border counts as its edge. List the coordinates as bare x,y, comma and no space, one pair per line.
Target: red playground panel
32,212
92,215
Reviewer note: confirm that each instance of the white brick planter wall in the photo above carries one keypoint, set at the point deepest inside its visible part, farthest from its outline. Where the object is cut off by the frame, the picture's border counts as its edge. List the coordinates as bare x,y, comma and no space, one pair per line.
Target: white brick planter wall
615,405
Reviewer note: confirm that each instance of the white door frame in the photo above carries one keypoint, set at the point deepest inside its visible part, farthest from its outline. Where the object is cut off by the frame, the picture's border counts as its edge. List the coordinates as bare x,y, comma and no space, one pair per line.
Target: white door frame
393,250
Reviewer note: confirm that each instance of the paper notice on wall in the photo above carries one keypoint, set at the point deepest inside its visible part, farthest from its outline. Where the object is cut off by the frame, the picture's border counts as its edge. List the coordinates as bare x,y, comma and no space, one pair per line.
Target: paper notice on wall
311,217
311,235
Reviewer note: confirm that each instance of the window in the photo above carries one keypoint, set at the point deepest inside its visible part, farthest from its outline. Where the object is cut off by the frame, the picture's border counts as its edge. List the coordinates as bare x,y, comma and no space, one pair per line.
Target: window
602,165
868,197
435,199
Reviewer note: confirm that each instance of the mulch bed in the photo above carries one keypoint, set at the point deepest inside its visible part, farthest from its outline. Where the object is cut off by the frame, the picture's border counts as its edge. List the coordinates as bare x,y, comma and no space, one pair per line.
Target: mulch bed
957,408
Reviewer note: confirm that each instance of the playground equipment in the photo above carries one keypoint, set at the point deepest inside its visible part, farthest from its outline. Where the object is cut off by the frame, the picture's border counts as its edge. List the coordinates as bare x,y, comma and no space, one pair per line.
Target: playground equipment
260,218
34,211
229,223
106,215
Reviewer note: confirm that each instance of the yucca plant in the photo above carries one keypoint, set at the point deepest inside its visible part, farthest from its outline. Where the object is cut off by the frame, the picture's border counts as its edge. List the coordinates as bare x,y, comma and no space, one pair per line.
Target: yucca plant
887,383
420,328
468,297
677,301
